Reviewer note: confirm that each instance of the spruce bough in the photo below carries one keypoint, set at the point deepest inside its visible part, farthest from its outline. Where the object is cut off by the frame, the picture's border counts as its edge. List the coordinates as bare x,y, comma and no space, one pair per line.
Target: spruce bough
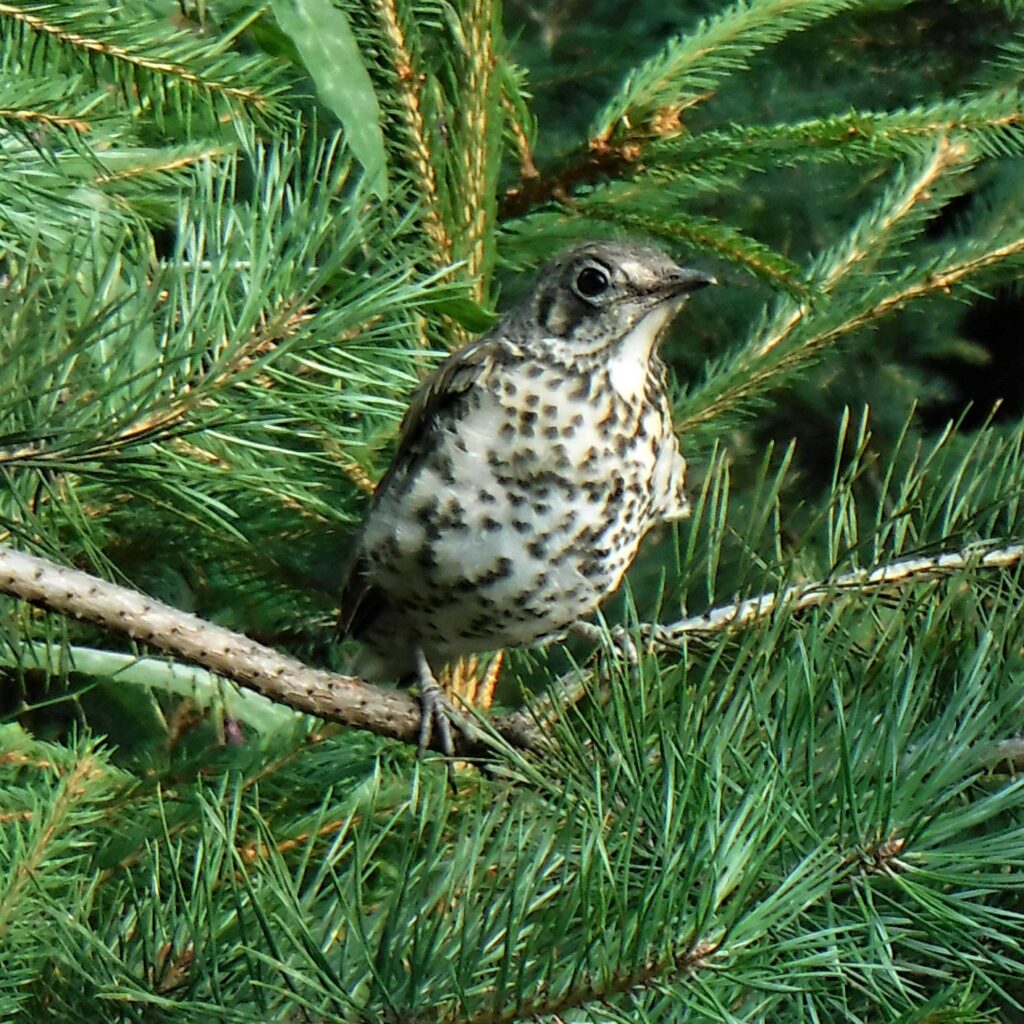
801,804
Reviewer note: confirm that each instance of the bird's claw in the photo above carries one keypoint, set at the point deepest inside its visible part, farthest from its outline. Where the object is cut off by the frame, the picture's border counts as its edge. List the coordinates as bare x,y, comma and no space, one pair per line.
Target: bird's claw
617,639
622,642
436,712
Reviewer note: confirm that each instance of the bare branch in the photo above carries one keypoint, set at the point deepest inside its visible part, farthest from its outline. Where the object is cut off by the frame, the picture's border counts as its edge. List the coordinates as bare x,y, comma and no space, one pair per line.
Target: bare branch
592,163
812,595
570,689
392,713
275,675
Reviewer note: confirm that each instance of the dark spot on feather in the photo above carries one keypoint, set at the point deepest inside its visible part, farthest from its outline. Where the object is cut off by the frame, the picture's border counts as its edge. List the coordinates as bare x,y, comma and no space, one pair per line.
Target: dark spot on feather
425,513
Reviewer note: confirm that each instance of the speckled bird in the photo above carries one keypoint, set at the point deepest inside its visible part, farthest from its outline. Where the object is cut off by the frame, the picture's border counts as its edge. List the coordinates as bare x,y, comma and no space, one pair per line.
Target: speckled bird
529,466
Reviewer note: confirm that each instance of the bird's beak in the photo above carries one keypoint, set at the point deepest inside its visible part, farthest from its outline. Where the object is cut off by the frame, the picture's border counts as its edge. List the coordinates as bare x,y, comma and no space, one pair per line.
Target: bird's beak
682,281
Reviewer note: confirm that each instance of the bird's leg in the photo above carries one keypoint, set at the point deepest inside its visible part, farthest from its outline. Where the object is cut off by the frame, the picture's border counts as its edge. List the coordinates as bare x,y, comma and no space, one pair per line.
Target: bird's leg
436,710
618,639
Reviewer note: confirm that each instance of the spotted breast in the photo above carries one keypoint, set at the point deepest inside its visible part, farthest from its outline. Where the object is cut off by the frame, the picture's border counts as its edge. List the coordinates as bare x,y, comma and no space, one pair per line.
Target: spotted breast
530,466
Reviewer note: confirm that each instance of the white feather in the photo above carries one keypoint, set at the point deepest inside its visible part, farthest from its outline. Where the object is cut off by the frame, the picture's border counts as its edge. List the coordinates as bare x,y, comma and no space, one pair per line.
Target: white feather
627,368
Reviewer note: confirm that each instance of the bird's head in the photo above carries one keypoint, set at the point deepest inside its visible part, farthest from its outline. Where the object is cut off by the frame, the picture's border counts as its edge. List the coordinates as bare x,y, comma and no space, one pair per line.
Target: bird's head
595,295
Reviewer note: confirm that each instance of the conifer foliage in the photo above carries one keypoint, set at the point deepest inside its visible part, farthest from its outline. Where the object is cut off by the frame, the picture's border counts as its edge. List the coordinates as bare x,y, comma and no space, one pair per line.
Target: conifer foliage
234,234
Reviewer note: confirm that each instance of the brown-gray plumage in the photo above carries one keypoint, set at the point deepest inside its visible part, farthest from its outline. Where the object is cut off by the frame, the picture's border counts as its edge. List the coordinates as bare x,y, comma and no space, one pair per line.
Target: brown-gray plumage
529,467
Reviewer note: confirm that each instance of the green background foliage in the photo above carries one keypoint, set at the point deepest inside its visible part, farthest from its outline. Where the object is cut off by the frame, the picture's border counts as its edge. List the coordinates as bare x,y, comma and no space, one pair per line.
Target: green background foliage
234,235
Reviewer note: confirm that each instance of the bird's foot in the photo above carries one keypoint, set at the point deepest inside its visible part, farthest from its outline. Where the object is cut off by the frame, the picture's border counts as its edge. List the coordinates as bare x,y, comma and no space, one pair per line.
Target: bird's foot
436,713
616,639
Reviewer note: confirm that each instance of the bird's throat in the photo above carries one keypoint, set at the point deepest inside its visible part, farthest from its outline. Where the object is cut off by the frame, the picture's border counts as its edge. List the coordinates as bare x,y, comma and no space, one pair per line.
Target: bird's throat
631,355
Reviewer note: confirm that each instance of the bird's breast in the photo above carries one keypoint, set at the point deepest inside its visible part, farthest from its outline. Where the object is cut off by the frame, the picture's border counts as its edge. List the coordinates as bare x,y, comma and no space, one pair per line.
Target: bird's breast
527,511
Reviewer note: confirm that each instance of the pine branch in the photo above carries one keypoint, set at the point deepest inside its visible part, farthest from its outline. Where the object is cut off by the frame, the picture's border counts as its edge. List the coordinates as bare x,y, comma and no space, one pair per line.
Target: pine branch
793,336
277,676
41,117
992,122
52,827
689,68
687,960
711,161
800,597
130,165
171,57
480,135
709,236
939,281
354,702
874,233
519,125
407,86
649,106
1006,69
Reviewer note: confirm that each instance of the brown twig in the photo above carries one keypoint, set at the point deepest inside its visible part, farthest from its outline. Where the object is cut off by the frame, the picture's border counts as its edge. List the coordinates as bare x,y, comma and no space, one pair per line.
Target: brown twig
598,161
43,118
392,713
802,596
686,959
278,676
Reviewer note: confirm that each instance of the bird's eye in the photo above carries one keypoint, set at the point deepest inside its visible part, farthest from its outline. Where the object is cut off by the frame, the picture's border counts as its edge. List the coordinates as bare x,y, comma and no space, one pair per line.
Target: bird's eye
590,282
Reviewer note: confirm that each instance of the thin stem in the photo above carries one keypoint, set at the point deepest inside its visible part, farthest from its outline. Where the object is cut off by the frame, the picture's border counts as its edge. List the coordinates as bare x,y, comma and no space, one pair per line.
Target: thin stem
386,712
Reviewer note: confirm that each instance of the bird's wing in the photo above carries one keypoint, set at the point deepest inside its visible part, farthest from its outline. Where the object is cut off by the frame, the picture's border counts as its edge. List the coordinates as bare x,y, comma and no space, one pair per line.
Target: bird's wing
429,408
439,394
